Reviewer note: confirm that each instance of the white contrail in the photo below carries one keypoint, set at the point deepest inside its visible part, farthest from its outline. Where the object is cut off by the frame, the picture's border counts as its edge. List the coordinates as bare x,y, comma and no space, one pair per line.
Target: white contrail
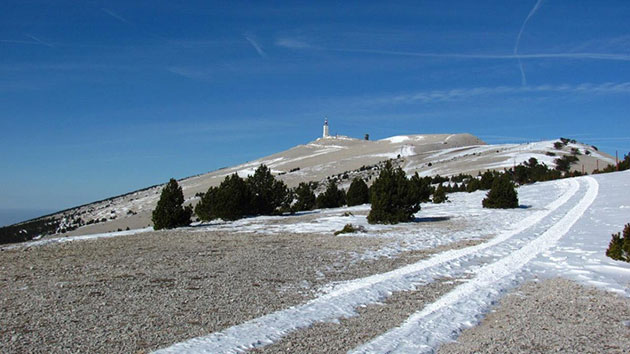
518,40
256,46
115,15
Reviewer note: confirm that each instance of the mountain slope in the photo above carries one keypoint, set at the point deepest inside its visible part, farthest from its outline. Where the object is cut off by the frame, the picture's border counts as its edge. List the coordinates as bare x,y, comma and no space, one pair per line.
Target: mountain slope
443,154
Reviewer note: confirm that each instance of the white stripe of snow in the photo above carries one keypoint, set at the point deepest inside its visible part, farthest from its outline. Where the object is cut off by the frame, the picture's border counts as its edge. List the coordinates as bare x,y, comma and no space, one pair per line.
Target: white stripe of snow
437,322
77,238
343,299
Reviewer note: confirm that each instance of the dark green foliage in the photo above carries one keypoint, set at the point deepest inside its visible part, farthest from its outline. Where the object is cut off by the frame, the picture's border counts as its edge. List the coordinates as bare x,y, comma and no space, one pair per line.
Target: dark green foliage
473,185
614,250
349,229
558,145
205,209
439,179
564,163
393,196
487,179
232,199
421,188
260,194
268,194
532,171
305,197
439,196
619,246
502,194
27,230
170,211
332,197
357,193
460,178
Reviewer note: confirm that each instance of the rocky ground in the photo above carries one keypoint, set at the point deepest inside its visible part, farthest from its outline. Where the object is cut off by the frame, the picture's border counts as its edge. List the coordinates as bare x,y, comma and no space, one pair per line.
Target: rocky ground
551,316
142,292
147,291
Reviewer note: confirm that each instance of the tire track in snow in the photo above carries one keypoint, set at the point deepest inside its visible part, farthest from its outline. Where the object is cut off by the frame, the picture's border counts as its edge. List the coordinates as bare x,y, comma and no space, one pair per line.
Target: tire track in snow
345,297
425,330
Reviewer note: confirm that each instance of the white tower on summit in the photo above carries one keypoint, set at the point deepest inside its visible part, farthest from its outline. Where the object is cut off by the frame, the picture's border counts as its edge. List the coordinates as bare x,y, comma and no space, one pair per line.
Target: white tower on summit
326,135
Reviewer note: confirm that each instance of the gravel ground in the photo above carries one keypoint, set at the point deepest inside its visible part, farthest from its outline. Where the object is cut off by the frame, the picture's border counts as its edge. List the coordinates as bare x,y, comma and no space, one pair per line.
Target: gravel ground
138,293
554,315
146,291
142,292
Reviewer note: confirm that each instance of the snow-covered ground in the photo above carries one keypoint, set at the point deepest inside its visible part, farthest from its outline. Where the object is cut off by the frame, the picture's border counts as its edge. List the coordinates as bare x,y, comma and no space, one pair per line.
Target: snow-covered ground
562,229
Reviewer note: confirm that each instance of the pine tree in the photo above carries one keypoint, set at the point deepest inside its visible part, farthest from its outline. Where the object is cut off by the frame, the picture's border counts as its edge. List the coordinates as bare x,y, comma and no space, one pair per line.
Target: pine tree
394,198
619,246
625,246
487,179
439,196
268,194
614,250
473,185
332,197
170,211
502,194
232,199
305,197
205,209
422,187
357,193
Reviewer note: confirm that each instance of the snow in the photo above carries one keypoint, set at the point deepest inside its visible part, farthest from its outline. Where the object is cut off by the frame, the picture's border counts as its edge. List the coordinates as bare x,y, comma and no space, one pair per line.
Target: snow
397,139
57,240
564,231
423,331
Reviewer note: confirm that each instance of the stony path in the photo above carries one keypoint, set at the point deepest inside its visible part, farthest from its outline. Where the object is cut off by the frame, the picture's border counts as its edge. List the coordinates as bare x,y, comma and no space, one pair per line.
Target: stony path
551,316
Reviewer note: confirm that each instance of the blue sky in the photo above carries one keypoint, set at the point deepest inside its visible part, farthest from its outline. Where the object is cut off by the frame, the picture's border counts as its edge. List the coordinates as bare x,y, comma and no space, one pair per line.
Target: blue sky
98,98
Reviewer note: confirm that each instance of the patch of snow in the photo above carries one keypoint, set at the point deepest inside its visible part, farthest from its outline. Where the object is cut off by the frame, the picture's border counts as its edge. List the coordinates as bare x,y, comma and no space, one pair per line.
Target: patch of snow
397,139
425,330
57,240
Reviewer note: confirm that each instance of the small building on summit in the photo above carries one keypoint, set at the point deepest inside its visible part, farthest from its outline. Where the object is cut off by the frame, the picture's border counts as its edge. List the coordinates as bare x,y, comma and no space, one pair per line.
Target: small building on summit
326,133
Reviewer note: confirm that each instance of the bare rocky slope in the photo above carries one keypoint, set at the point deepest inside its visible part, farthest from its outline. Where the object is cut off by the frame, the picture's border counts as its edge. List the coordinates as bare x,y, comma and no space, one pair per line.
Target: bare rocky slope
340,156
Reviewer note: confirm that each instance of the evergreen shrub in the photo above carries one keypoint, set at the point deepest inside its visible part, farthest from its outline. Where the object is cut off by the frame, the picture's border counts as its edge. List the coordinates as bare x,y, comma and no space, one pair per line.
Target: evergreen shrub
619,246
394,198
170,211
502,195
357,193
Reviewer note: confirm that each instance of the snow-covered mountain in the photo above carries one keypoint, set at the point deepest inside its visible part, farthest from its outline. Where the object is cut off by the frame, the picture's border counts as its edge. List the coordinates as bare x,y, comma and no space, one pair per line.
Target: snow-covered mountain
345,157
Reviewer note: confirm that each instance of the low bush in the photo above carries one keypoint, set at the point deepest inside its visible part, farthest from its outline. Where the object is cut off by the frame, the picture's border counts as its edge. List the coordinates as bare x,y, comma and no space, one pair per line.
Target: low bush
619,246
350,229
502,195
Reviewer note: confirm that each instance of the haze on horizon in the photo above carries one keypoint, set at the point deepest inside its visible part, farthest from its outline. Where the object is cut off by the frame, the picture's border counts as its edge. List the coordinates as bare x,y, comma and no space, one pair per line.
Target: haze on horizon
105,97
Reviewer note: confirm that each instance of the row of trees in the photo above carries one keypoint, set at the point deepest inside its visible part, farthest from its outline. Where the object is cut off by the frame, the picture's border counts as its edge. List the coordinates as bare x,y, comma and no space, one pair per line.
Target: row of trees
259,194
394,198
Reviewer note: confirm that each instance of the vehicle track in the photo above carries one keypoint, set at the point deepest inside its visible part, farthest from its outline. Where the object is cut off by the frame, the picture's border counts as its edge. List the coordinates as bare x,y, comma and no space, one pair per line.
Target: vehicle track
484,260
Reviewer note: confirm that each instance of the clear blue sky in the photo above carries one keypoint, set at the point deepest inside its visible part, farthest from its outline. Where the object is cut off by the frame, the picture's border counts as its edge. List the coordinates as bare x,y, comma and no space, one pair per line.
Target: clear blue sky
99,98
